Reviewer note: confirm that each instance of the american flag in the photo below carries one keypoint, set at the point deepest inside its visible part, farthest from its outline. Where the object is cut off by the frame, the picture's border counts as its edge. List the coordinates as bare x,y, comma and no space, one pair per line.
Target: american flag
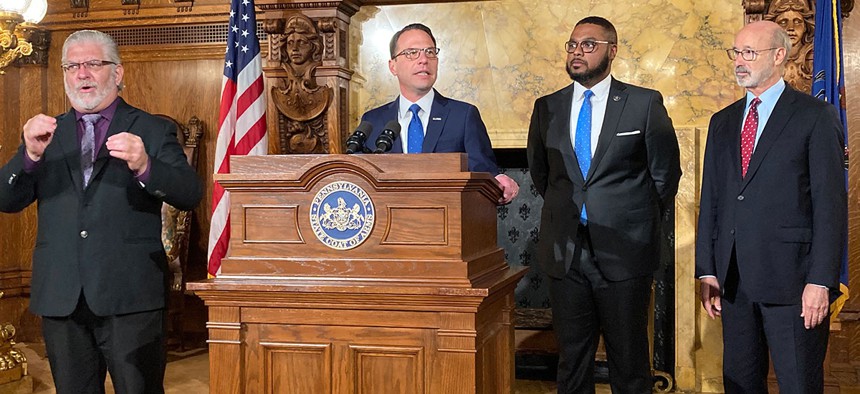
241,119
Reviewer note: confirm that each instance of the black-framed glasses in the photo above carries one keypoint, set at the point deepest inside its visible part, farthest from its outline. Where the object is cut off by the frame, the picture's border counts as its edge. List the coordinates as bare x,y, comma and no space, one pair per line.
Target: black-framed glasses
414,53
747,54
91,65
587,46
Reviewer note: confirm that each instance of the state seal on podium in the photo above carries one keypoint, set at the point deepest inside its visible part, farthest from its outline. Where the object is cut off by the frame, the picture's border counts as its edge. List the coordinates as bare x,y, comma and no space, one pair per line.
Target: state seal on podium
342,215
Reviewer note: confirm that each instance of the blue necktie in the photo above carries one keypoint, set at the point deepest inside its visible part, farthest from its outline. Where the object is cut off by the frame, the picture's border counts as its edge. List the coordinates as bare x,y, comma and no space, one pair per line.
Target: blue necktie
415,138
582,143
88,144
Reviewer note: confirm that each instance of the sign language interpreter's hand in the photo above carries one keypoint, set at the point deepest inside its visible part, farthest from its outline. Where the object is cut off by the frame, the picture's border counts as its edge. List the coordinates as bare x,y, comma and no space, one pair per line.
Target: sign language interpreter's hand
129,147
38,133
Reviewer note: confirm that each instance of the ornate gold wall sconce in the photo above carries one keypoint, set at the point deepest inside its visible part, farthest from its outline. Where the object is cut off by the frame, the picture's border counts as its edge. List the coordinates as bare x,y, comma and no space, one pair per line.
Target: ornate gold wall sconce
18,19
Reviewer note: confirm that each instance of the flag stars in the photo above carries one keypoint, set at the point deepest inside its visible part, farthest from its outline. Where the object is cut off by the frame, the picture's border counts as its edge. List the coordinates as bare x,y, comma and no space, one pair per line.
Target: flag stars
232,14
245,17
244,48
229,64
245,33
234,28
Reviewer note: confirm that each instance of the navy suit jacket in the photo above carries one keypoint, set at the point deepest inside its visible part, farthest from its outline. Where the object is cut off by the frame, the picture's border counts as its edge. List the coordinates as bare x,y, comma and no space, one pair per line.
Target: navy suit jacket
105,240
454,126
786,220
634,174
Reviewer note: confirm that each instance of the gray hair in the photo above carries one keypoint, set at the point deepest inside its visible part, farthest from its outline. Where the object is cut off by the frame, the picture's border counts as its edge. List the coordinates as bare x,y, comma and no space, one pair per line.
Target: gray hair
781,40
93,36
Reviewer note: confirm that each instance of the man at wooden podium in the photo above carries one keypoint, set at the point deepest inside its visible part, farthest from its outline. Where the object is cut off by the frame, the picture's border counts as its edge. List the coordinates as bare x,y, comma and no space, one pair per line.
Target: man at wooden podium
99,174
604,156
430,122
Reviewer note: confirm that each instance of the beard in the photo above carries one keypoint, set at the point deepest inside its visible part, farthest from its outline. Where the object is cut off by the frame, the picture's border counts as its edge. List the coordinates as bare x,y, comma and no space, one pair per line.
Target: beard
752,79
588,76
89,101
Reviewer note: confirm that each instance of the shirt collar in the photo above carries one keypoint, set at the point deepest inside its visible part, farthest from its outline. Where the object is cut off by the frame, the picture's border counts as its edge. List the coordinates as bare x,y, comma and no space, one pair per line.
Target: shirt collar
106,113
424,102
769,96
600,90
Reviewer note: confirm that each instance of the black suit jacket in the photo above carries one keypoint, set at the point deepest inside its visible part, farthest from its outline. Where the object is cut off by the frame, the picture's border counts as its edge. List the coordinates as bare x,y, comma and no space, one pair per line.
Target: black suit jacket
104,240
786,220
634,173
455,126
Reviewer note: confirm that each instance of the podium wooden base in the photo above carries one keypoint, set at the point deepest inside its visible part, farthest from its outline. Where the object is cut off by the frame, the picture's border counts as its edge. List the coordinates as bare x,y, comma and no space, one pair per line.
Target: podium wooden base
288,337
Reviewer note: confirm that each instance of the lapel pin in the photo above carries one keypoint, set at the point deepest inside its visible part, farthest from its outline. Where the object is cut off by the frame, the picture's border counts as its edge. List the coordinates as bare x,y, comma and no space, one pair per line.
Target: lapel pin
616,98
436,119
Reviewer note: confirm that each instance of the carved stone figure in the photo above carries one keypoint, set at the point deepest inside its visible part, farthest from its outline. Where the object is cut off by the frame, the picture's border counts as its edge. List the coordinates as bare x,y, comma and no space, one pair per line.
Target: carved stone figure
798,20
298,97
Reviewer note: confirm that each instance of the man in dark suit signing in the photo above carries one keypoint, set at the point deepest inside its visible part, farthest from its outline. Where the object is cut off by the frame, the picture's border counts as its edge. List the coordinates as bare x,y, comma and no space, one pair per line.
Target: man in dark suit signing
604,156
99,174
772,221
430,122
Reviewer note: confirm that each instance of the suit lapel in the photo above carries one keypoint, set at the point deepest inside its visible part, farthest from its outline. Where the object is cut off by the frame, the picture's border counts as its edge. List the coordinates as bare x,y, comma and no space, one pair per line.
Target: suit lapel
775,125
614,106
392,112
735,120
70,146
435,123
123,119
560,125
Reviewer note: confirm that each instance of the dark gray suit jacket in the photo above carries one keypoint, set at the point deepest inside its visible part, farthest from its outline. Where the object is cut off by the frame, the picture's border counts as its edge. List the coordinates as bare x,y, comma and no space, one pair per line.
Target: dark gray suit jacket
786,220
104,240
634,174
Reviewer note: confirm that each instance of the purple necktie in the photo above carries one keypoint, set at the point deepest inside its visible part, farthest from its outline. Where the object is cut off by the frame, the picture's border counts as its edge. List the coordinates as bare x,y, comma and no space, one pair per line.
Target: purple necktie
88,144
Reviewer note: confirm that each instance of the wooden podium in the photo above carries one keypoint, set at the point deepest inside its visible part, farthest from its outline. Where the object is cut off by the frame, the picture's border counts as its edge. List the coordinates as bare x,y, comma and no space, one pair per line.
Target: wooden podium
366,274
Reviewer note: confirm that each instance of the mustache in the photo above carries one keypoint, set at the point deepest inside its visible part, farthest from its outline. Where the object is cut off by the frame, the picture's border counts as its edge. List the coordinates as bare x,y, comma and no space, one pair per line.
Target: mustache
86,84
741,69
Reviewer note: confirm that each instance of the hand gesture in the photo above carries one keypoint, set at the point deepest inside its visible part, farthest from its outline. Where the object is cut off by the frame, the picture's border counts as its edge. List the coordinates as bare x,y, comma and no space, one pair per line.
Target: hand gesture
129,147
38,133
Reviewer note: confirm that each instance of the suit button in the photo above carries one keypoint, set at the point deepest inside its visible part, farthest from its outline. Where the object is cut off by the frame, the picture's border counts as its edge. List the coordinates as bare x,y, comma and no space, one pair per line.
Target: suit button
740,198
732,232
84,234
585,188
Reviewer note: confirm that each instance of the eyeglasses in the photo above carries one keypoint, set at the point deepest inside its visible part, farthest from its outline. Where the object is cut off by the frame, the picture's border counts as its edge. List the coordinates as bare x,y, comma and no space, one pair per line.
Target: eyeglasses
747,54
91,65
414,53
587,46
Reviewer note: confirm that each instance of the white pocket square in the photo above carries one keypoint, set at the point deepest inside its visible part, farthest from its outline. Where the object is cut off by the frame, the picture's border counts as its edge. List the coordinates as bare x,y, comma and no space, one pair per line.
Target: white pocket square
626,133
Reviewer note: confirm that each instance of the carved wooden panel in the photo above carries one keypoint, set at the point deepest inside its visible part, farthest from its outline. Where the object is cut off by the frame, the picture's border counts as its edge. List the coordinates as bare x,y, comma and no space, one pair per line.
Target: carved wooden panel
387,369
282,360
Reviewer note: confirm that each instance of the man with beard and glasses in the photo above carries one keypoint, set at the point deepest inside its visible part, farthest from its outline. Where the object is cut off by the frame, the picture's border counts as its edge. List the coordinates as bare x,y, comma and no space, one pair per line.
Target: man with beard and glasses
99,175
430,122
772,223
604,156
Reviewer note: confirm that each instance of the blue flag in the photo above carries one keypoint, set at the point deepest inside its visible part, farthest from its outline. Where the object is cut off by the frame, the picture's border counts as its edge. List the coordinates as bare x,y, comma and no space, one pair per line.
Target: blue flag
828,84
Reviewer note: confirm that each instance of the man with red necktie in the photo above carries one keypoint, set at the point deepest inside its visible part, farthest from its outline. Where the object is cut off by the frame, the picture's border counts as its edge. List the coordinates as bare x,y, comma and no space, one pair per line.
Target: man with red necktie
772,221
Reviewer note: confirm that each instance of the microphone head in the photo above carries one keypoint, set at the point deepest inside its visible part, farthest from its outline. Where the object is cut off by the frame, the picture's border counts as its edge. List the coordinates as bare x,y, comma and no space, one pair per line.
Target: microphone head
392,126
355,142
389,134
365,127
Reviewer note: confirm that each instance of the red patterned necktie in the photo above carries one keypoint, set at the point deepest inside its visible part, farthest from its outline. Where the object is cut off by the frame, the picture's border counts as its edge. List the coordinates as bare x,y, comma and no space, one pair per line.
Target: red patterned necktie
748,135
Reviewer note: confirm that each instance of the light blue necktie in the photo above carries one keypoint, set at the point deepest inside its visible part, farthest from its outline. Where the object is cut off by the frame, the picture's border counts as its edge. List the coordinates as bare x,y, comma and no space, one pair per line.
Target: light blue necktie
88,144
415,138
582,143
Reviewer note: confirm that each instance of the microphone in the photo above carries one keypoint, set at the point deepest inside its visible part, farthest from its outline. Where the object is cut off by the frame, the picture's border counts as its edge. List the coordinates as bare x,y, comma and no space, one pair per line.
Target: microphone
386,139
355,142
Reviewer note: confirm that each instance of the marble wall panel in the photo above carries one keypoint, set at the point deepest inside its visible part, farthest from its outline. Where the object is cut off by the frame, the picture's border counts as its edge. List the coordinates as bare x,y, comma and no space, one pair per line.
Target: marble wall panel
502,55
